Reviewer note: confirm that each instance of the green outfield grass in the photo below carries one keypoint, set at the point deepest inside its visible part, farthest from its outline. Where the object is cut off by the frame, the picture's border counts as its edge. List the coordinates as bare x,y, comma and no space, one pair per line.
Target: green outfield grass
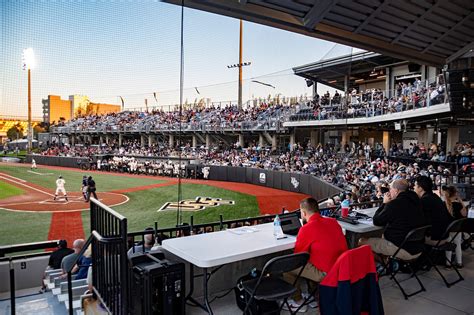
141,210
104,181
18,227
22,153
7,190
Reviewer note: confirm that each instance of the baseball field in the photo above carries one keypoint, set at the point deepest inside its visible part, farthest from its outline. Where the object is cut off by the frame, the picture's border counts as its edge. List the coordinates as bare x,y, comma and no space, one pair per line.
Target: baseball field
29,214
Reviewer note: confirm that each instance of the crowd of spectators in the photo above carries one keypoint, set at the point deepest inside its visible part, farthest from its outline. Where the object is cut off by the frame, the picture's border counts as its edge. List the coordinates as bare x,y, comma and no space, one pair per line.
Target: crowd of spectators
356,167
359,103
372,102
209,118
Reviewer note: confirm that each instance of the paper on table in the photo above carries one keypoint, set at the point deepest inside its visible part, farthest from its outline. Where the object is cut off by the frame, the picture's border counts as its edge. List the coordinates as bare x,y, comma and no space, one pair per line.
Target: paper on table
366,221
243,230
368,212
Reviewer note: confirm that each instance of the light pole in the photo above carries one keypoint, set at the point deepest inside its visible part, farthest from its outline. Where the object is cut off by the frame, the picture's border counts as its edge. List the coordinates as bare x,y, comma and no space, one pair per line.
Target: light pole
240,65
28,64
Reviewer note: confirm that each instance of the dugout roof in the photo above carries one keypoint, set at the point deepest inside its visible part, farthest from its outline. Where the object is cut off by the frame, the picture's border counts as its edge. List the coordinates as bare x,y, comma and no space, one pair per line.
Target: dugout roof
424,31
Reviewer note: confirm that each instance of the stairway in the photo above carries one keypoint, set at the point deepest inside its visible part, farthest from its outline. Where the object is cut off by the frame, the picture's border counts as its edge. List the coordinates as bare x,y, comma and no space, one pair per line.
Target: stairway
59,289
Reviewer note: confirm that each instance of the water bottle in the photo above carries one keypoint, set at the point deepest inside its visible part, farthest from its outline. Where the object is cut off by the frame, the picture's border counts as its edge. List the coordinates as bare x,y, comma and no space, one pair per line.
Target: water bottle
345,208
470,213
277,227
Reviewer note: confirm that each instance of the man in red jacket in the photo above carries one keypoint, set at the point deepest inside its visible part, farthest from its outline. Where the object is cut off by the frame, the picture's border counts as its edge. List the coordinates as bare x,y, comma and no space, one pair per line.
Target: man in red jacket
322,238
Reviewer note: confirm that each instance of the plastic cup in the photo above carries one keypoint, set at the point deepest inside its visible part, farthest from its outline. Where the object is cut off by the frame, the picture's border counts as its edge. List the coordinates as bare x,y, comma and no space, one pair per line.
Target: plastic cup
344,212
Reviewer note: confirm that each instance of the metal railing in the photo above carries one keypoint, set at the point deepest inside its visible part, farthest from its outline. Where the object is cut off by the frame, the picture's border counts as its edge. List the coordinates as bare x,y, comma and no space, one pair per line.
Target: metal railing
190,228
372,104
10,249
108,239
453,167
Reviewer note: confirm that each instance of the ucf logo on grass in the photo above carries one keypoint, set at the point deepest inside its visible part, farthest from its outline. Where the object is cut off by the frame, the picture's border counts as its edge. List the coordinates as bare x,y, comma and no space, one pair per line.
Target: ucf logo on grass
200,203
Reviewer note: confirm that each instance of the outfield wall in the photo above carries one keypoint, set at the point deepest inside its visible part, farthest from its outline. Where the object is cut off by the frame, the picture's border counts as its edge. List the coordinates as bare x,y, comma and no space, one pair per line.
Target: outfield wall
294,182
65,161
76,162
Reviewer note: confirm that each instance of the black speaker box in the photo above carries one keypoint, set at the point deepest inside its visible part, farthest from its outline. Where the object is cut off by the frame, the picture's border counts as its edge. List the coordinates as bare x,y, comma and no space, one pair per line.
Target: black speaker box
157,285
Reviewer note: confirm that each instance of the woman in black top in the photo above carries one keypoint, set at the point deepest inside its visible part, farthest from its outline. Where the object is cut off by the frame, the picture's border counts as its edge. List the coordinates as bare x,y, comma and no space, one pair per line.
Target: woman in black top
458,211
454,203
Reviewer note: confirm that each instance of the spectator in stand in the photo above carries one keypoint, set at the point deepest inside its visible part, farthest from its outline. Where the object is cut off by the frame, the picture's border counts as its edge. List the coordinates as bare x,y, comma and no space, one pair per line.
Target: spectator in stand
83,263
457,210
434,210
145,247
400,213
56,258
320,236
67,262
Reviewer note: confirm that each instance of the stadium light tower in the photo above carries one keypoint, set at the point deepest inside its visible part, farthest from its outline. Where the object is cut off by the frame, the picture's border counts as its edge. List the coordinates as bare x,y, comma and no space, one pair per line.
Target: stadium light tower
29,63
240,65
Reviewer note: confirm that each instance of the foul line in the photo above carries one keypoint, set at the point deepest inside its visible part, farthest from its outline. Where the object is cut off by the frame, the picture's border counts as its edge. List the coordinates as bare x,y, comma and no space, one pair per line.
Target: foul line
39,173
3,206
32,188
15,178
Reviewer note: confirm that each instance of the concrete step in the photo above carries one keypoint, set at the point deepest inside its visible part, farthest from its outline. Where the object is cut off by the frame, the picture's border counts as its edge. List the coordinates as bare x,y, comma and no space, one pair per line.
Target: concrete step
62,287
50,271
50,277
76,304
57,281
76,292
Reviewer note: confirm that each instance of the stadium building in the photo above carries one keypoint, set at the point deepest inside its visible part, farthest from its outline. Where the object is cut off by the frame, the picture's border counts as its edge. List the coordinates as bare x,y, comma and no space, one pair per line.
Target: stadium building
198,210
390,101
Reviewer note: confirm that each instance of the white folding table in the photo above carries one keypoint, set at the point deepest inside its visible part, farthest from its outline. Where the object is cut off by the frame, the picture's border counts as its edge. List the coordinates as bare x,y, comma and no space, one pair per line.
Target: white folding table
365,228
219,248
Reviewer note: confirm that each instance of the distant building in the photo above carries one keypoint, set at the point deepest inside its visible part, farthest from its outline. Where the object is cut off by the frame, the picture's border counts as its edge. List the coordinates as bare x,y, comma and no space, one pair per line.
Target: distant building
56,109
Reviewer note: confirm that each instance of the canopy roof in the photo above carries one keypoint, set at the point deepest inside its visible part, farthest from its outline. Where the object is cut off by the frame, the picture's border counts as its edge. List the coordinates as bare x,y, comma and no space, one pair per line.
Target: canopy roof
424,31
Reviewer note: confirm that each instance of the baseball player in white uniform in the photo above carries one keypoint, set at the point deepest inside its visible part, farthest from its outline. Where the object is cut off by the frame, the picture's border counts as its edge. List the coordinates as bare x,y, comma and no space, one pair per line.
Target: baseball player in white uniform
33,164
60,182
205,172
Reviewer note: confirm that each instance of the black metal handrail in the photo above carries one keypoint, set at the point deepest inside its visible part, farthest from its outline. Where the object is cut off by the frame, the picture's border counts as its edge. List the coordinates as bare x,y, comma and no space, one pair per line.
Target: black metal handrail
25,256
10,249
110,273
16,248
94,236
172,232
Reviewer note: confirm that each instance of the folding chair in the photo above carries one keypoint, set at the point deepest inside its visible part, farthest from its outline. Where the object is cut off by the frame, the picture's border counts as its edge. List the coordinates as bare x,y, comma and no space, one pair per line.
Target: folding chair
351,286
269,286
415,235
442,246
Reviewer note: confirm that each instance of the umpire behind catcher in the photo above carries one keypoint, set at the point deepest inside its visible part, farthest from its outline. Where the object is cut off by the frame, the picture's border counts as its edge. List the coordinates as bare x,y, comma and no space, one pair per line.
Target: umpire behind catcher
91,188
